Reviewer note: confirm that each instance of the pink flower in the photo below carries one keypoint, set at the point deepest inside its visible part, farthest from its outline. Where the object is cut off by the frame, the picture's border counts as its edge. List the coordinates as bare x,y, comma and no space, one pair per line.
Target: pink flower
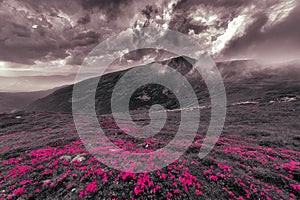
295,187
261,193
104,179
224,167
48,172
46,182
242,184
213,178
172,177
291,166
194,163
92,187
279,191
150,183
137,190
253,188
19,191
198,192
221,175
82,194
176,191
209,171
157,187
163,176
199,185
169,195
20,171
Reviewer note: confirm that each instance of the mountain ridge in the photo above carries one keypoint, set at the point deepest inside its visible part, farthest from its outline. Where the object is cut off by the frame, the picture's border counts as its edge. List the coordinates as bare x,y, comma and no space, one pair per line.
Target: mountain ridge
244,80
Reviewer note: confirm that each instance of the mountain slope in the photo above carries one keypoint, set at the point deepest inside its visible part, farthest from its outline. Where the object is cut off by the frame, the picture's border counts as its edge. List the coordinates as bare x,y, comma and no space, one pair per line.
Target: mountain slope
244,80
10,102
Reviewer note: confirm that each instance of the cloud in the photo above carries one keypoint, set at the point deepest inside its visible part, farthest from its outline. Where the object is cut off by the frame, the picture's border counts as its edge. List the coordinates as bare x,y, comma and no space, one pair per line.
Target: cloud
112,8
263,41
219,26
35,35
50,30
235,27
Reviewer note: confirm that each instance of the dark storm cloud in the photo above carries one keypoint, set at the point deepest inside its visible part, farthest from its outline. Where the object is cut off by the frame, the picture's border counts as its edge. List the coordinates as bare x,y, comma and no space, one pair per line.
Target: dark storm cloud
50,30
18,44
206,20
281,40
84,20
225,8
241,28
27,36
187,4
183,24
112,8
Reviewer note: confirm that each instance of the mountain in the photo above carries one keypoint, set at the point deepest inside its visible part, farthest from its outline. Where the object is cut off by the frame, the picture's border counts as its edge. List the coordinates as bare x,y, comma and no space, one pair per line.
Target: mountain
27,83
247,80
14,101
244,80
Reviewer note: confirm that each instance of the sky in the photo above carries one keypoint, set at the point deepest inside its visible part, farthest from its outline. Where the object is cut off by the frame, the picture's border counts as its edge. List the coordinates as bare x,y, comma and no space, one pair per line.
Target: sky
43,43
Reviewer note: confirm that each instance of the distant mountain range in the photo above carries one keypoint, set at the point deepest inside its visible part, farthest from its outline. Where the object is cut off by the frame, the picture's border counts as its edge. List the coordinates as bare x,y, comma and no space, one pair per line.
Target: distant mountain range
244,80
11,102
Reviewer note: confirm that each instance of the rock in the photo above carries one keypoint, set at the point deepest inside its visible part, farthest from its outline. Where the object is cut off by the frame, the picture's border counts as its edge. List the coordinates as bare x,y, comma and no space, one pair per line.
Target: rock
79,158
66,158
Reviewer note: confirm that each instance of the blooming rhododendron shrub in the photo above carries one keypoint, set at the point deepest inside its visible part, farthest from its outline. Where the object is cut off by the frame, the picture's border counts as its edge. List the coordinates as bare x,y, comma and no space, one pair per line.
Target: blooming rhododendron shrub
46,163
